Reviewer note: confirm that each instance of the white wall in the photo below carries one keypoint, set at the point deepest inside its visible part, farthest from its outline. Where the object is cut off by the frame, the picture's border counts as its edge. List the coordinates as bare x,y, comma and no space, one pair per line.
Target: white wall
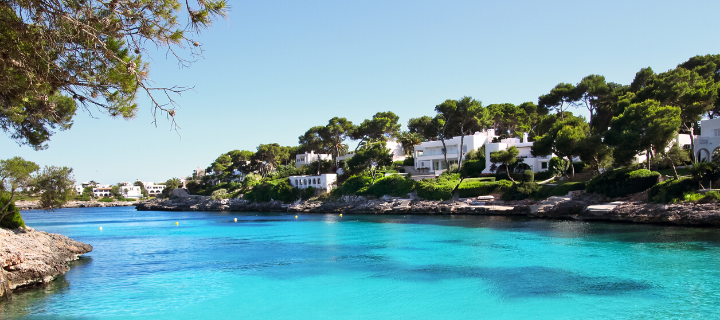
324,181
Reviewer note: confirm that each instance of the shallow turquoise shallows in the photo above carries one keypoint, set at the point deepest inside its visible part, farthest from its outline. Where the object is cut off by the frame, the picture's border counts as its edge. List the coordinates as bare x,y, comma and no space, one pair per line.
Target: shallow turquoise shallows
274,266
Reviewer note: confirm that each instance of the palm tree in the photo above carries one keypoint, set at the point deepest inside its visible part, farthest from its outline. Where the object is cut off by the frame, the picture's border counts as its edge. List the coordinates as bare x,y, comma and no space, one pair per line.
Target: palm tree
409,140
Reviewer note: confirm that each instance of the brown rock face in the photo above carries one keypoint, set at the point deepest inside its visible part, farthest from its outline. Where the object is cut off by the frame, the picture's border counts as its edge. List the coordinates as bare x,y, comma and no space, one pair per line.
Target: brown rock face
30,257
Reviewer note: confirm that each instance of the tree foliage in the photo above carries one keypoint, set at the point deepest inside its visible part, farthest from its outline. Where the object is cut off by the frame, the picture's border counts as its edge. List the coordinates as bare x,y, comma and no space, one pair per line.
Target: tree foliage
55,54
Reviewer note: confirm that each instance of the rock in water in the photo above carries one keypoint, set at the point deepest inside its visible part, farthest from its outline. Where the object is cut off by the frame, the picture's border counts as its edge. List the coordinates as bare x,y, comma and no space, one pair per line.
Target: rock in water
30,257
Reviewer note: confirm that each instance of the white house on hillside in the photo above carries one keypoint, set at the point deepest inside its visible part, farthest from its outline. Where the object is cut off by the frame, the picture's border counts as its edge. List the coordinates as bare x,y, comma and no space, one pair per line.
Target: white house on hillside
709,139
130,191
536,164
153,189
308,158
324,181
429,154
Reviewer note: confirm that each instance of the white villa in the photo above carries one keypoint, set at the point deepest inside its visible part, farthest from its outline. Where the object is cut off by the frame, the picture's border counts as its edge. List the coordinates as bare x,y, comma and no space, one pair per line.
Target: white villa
102,191
325,181
130,191
153,189
307,158
708,141
536,164
429,155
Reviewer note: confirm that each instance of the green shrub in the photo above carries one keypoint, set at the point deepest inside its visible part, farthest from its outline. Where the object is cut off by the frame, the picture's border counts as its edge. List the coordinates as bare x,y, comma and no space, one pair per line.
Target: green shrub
354,185
83,197
306,193
528,176
565,188
398,164
672,189
520,191
12,219
543,175
394,185
622,182
472,168
106,199
409,161
710,197
476,187
692,196
272,190
218,194
438,189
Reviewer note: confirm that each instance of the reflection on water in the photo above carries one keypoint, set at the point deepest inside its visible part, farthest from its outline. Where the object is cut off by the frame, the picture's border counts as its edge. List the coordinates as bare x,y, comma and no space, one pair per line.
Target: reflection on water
366,266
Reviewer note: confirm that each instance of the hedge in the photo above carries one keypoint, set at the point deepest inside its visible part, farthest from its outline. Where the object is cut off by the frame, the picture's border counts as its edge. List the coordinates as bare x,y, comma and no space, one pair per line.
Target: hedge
13,219
472,168
438,189
475,188
520,191
394,185
671,189
622,182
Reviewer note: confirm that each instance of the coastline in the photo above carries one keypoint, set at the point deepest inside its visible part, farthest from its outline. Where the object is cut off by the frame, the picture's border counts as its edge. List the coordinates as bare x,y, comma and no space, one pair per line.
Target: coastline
29,257
575,208
34,205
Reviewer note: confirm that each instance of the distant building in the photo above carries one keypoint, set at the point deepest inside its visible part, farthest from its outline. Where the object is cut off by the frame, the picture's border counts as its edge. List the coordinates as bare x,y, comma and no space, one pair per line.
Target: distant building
130,191
324,181
153,189
78,189
103,191
308,158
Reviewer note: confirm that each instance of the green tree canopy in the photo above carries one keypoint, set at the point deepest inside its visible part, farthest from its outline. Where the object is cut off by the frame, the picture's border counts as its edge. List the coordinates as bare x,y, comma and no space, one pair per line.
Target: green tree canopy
506,157
59,53
382,126
370,158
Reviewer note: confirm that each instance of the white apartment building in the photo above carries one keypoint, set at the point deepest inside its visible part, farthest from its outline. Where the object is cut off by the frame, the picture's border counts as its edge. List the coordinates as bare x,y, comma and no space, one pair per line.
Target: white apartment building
78,189
429,155
153,189
102,191
536,164
708,141
130,191
308,158
325,181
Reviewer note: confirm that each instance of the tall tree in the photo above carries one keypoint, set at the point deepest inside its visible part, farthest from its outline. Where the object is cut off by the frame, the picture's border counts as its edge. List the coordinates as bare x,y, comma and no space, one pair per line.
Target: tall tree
335,132
558,98
469,113
506,157
424,126
382,126
15,173
563,139
370,158
59,53
645,126
588,94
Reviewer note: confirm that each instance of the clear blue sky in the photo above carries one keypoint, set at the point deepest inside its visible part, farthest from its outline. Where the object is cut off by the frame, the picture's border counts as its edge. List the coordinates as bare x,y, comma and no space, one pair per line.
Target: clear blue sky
276,68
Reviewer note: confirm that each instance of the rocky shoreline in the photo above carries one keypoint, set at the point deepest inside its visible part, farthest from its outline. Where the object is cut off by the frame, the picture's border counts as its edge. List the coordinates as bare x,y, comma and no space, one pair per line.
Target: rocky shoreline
29,257
689,214
34,205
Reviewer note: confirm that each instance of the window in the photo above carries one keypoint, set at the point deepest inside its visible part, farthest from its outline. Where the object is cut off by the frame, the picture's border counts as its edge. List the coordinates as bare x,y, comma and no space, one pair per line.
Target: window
465,149
543,165
717,132
420,153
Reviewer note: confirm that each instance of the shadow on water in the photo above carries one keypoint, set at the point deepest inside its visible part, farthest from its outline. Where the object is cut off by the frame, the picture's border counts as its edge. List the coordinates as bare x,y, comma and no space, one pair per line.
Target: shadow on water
595,230
24,301
289,262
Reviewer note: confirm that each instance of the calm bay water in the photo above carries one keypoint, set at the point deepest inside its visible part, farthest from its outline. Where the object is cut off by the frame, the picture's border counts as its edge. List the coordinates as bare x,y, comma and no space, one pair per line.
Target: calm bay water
274,266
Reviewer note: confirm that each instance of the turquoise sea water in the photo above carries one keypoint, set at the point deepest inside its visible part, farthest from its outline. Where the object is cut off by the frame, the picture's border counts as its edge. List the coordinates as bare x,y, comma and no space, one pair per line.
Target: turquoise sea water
273,266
